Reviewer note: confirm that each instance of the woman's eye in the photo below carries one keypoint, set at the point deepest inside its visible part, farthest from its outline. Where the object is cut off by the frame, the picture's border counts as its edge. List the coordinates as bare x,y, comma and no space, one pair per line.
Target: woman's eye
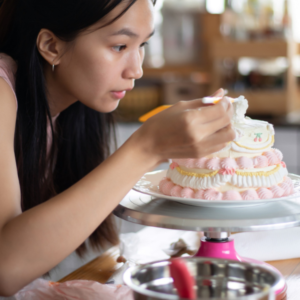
123,47
119,48
143,45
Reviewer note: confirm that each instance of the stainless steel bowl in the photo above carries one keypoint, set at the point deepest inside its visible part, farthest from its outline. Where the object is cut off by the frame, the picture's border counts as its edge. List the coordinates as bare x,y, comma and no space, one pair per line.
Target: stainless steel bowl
216,279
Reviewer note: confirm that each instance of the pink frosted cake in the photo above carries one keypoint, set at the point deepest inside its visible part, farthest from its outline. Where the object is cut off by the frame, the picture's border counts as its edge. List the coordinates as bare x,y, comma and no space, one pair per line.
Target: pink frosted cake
247,168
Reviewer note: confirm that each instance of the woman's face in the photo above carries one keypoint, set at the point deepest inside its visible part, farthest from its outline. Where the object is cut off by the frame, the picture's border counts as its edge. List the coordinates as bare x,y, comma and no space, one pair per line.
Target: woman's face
102,64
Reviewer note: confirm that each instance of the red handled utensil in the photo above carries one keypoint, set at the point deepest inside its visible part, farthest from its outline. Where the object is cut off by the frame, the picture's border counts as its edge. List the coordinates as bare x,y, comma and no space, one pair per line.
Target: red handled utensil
182,279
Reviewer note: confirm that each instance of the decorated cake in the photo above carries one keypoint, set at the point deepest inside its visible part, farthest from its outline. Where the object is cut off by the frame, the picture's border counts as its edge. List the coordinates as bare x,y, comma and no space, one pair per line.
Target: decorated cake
247,168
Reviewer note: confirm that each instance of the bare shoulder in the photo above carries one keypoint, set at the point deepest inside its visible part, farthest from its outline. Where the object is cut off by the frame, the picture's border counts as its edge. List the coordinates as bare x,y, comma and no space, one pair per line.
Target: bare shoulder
9,182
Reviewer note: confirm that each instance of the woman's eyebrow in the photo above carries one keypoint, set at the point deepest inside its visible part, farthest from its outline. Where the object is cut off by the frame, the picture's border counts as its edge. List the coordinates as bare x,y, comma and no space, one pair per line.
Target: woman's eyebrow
128,32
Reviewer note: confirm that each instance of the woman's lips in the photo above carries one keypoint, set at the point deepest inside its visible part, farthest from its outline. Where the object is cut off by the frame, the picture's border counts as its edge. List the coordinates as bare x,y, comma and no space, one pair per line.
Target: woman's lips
119,94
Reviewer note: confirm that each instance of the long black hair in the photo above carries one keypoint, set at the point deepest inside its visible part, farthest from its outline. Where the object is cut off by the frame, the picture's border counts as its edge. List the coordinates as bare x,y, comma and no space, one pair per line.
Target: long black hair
81,138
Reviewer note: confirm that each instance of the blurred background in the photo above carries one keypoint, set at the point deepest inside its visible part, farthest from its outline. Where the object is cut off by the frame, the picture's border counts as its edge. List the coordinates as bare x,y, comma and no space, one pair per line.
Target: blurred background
249,47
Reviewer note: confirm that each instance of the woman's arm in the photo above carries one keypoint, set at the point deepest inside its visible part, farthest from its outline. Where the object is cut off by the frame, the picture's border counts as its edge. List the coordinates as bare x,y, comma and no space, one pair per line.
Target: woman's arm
33,242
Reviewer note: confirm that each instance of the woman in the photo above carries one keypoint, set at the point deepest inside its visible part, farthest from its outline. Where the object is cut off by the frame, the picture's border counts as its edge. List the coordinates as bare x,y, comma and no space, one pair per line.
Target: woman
68,63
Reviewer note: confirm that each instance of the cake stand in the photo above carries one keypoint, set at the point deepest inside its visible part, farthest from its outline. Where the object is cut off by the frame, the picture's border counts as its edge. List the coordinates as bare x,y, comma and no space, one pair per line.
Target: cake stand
216,222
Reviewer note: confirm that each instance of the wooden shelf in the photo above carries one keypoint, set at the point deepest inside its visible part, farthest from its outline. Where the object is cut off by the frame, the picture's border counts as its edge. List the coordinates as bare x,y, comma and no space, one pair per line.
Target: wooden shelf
264,102
180,71
259,49
272,102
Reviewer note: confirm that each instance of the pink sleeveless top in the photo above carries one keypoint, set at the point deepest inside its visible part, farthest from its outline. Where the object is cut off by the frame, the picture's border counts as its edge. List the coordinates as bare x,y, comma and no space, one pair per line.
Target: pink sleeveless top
8,69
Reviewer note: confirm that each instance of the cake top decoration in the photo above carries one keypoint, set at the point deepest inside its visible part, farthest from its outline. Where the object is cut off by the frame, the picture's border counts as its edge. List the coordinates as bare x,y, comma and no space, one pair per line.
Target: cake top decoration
240,107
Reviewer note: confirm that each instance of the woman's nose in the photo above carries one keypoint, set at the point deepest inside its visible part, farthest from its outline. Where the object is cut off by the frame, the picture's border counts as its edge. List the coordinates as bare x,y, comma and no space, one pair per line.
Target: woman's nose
134,68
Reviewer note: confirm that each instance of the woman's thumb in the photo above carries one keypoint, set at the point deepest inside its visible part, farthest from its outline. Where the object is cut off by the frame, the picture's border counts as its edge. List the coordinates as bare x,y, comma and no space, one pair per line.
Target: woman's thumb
218,93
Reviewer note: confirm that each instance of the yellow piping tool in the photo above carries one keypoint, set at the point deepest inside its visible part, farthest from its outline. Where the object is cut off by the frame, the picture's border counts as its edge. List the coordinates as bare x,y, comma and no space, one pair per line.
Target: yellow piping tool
205,100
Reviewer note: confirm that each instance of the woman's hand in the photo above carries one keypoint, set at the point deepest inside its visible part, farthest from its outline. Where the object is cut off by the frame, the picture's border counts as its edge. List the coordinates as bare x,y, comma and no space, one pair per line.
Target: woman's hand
188,129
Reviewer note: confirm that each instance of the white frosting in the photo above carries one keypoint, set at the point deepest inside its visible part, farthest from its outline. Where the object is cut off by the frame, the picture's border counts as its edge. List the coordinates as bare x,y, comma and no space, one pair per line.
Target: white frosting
219,180
252,136
240,108
196,182
255,148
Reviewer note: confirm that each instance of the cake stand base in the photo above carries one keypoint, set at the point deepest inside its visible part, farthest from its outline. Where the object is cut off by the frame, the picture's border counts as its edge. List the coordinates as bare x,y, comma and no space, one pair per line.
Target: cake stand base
143,209
222,246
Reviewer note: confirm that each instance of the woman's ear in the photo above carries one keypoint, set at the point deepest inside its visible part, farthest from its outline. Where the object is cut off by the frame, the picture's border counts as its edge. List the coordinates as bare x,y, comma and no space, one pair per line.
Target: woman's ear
50,46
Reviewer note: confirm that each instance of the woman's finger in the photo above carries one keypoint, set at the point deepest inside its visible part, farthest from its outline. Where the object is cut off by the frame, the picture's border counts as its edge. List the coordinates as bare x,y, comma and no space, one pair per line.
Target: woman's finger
219,93
210,110
212,128
209,145
223,136
206,115
210,149
216,111
197,103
